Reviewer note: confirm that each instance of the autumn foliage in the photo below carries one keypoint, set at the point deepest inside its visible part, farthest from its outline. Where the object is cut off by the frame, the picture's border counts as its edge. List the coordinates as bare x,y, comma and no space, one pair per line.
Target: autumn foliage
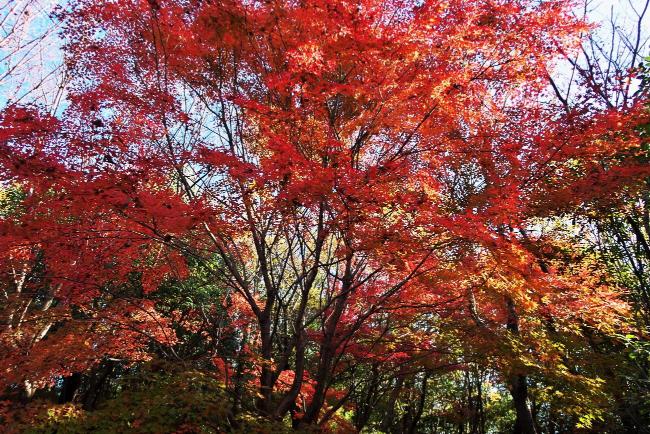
302,198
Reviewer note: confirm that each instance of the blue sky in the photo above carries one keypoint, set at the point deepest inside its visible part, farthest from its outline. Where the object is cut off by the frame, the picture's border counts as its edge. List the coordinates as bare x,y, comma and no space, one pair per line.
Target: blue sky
30,55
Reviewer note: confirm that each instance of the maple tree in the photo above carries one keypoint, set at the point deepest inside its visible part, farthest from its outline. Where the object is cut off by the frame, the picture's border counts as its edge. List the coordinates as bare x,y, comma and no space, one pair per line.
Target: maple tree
316,202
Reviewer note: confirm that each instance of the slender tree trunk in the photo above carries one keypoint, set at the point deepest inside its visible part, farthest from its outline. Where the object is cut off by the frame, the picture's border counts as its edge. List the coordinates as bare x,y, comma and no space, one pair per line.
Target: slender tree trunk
266,378
328,347
70,388
238,378
481,409
420,406
524,423
387,423
96,385
364,408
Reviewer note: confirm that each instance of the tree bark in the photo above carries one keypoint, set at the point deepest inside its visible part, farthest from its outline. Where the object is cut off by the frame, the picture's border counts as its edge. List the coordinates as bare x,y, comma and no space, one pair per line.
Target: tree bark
70,388
524,423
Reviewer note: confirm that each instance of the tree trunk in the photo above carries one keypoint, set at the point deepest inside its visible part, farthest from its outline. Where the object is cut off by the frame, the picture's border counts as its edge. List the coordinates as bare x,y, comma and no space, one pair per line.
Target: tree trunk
266,377
387,422
328,347
524,423
70,388
97,384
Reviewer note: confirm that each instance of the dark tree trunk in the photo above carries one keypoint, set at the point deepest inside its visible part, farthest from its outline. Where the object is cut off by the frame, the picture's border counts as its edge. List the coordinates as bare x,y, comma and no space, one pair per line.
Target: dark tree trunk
70,388
97,385
266,379
366,404
524,423
328,347
387,422
420,405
